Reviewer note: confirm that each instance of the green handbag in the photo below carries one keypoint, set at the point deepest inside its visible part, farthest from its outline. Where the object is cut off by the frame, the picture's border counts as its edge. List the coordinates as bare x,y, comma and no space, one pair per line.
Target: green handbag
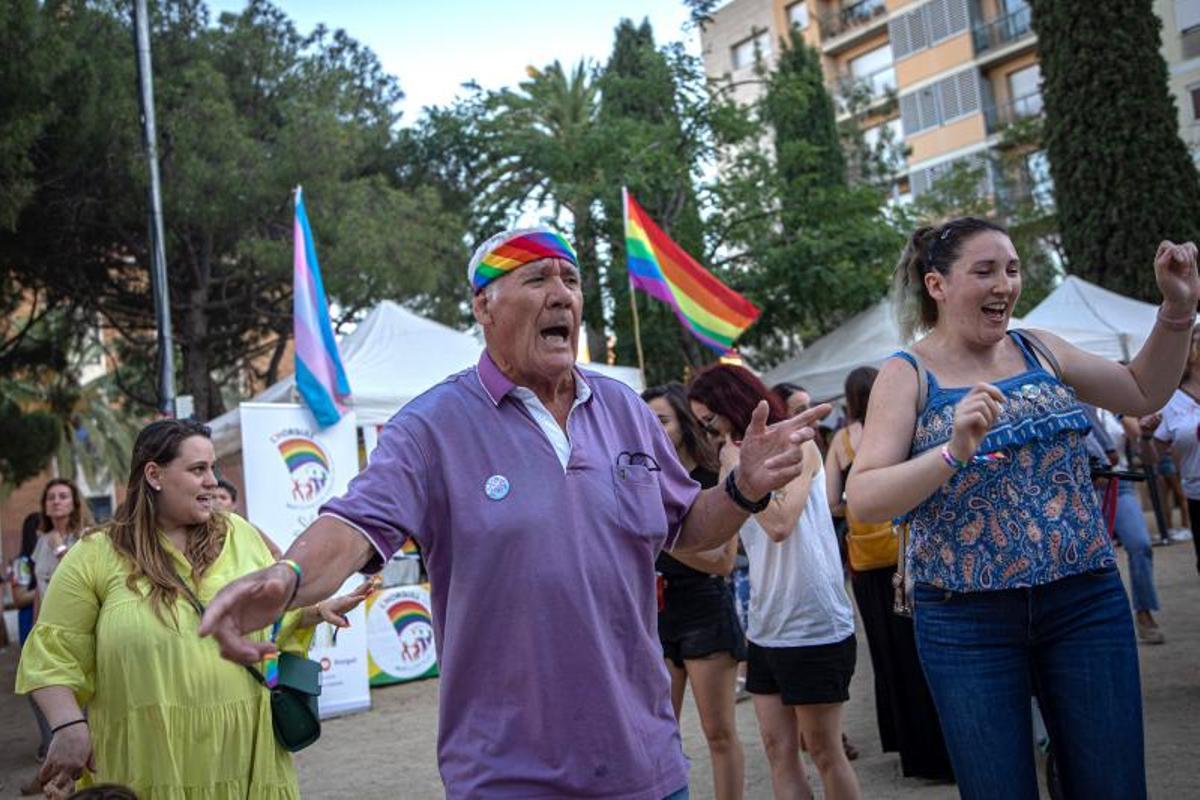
294,710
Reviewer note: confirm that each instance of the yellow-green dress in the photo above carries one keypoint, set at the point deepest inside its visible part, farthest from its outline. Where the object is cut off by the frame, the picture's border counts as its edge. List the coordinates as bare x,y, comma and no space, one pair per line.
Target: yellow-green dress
168,716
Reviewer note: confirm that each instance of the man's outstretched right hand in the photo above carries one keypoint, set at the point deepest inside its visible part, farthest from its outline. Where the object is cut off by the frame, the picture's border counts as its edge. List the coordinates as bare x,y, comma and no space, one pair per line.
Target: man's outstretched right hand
248,604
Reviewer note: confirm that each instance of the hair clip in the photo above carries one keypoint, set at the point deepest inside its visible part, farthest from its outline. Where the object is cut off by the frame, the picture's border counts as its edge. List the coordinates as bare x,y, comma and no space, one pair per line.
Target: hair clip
946,231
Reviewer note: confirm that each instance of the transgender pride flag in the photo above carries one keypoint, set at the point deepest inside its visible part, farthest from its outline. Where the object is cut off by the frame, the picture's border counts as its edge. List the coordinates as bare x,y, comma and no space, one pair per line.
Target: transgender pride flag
320,378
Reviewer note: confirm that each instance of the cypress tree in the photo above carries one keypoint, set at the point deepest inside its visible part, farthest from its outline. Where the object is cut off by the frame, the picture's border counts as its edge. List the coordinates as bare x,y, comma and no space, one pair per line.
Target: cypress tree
650,156
821,249
1123,178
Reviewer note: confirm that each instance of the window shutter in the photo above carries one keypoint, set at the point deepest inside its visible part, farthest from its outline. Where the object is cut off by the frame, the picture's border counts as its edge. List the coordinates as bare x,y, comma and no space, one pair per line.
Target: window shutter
947,90
918,182
958,16
918,31
910,112
968,91
939,21
928,102
898,37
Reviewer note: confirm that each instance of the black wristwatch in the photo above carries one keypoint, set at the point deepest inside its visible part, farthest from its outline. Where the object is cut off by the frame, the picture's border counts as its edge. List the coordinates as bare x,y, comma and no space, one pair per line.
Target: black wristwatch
743,502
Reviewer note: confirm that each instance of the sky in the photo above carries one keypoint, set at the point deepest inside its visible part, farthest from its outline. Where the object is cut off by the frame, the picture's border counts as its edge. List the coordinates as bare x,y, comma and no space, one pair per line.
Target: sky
434,46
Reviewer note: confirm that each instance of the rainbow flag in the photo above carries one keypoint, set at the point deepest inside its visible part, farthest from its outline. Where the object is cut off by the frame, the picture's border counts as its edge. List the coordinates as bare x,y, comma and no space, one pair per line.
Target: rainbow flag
714,313
320,377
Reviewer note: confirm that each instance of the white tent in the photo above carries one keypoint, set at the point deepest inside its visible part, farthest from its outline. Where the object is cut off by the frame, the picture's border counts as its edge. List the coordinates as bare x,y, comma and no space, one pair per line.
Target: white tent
390,358
1117,325
865,339
1091,318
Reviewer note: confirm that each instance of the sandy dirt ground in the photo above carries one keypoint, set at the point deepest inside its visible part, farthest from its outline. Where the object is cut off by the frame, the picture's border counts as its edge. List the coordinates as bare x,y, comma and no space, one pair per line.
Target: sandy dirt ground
389,752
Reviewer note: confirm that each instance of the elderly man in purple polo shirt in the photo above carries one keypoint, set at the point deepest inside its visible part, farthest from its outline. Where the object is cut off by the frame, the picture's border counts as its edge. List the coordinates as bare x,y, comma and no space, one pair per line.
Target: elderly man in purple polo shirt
540,494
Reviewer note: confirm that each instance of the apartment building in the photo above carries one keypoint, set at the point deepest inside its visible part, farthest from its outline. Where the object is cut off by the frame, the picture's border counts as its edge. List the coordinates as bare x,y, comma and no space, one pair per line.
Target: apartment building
961,72
1181,50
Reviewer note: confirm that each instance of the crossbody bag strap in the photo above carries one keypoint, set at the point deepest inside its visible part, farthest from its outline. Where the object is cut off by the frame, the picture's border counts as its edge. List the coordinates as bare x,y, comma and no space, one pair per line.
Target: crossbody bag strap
196,604
1040,350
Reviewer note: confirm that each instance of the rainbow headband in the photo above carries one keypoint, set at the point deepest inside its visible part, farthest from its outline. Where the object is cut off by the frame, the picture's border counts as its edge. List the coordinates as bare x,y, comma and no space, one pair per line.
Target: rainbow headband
506,251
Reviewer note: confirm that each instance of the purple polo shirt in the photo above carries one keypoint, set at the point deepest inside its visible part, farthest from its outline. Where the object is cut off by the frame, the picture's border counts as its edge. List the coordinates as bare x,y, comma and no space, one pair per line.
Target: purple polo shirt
544,613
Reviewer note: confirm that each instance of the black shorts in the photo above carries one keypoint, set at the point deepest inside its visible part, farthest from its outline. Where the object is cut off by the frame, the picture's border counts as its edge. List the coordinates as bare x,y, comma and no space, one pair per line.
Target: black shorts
804,676
700,622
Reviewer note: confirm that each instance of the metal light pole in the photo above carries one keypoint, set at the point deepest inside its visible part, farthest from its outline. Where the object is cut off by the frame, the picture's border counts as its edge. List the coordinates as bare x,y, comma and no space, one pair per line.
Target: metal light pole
158,256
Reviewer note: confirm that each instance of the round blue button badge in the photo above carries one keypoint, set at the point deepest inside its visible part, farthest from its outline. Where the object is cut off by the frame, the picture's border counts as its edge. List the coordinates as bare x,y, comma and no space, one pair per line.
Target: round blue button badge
496,487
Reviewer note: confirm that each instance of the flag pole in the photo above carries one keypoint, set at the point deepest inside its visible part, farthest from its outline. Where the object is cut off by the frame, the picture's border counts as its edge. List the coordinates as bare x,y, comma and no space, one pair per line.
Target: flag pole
637,334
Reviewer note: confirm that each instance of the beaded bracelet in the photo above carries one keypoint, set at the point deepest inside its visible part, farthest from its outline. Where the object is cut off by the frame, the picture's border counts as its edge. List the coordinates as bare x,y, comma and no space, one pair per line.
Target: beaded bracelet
1176,323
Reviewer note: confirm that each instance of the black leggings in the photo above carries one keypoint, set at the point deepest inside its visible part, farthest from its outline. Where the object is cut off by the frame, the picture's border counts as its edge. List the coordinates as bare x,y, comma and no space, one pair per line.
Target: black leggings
1194,514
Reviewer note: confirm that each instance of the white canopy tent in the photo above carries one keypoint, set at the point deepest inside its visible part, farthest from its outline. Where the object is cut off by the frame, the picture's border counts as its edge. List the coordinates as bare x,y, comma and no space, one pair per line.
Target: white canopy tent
1118,325
1091,318
390,358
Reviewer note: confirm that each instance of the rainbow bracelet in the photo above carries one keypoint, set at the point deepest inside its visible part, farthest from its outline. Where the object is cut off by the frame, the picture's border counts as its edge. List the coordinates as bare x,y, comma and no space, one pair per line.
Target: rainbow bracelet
986,458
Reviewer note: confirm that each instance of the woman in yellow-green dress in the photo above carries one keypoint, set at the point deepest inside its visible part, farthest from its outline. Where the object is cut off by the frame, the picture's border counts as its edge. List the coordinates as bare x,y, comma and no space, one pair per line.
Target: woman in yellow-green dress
165,714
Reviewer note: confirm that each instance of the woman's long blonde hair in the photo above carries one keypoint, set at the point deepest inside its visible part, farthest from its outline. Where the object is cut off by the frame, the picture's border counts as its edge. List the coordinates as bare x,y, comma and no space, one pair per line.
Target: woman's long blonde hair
134,530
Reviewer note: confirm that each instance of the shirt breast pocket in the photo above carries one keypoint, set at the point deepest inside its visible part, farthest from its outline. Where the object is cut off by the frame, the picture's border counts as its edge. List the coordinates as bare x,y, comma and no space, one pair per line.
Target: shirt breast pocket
639,501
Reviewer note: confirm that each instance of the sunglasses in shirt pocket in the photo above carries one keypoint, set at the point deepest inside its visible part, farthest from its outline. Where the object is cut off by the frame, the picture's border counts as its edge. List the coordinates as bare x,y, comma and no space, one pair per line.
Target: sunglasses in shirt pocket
639,499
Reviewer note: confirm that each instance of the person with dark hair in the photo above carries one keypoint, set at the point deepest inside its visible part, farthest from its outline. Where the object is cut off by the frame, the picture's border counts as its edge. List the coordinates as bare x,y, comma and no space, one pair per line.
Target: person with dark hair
795,398
24,581
698,626
226,494
976,438
904,710
118,633
802,645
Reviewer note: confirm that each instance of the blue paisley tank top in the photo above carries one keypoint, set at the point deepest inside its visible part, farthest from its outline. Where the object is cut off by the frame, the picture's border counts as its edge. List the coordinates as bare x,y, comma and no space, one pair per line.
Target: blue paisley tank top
1027,520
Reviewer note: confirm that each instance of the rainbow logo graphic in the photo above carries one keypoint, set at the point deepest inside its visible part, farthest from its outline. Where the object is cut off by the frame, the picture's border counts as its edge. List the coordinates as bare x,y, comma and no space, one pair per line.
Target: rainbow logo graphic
309,467
400,644
407,612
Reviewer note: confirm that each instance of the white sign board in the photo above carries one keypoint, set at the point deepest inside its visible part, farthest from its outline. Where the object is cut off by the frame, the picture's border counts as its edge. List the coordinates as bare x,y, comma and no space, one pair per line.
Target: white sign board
291,468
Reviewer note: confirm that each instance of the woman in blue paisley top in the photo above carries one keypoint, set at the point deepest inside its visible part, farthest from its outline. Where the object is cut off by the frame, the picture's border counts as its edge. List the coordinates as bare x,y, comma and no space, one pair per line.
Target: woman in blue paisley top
1016,590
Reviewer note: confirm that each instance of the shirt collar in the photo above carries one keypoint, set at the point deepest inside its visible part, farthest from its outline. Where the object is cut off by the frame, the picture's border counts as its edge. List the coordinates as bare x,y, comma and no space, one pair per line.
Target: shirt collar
497,385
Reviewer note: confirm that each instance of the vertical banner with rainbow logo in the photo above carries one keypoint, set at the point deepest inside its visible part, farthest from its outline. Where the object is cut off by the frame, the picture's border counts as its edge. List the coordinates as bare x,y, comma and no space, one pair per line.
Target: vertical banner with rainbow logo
292,466
400,635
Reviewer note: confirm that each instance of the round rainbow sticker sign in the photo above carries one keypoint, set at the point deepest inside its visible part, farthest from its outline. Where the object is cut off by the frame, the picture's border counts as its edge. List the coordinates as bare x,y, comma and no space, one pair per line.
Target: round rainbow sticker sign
309,469
400,636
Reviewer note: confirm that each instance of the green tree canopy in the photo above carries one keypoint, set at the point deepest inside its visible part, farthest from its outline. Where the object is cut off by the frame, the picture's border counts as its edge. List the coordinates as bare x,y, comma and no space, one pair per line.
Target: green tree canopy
1123,178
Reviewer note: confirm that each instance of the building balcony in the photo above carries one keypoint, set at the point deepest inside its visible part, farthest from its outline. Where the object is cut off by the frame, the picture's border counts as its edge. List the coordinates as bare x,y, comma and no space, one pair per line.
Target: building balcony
1000,117
991,35
864,91
850,22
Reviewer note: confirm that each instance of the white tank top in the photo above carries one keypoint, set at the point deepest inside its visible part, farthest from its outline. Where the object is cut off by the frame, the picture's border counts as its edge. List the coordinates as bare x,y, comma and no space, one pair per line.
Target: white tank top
797,594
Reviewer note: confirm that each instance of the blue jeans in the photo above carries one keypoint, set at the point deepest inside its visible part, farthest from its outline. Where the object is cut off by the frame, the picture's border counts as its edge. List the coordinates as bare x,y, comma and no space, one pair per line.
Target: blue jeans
1070,643
1130,527
682,794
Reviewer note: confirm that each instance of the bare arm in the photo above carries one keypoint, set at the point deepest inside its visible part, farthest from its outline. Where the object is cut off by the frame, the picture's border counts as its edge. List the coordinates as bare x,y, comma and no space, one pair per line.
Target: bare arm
884,482
1143,386
834,487
328,552
718,561
70,750
779,519
770,457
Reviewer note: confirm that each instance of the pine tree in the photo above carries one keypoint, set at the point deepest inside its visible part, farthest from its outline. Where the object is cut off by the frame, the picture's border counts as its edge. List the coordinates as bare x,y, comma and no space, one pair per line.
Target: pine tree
1123,178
